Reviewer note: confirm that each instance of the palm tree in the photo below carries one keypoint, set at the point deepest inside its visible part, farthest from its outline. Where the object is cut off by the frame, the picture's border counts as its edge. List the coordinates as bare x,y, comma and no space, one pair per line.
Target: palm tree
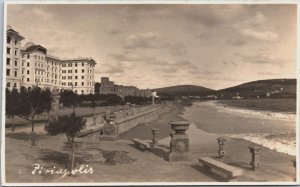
68,124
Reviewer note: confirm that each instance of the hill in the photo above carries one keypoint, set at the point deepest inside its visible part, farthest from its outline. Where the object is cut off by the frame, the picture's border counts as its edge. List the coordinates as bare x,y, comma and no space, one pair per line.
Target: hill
184,90
274,88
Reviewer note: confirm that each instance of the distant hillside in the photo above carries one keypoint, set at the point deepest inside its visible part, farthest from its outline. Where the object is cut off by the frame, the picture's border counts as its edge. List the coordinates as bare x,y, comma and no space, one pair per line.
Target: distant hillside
276,88
184,90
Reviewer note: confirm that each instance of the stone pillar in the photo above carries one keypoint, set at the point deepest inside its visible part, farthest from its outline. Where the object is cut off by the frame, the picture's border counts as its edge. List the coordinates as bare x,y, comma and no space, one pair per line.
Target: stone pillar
179,145
221,151
110,129
94,120
154,137
255,151
153,100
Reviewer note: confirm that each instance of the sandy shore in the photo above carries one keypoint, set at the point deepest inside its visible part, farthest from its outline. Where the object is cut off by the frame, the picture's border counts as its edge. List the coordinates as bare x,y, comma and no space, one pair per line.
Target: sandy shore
146,166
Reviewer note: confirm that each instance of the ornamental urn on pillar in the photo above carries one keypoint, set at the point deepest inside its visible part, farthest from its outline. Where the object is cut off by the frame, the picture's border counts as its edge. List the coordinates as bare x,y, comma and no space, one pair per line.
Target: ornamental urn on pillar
110,129
179,145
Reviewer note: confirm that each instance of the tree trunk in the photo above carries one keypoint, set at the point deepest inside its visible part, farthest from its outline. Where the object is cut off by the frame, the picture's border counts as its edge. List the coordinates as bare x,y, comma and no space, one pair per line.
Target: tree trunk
48,116
73,153
12,123
32,132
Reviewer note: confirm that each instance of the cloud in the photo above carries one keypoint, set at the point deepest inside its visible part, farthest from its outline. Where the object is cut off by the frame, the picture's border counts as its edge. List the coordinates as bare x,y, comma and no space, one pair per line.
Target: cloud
115,31
267,73
143,40
236,41
130,57
258,18
111,69
261,59
260,35
229,62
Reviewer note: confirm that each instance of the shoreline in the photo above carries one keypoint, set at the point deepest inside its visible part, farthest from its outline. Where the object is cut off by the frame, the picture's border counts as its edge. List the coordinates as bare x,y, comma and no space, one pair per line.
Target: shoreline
265,114
283,142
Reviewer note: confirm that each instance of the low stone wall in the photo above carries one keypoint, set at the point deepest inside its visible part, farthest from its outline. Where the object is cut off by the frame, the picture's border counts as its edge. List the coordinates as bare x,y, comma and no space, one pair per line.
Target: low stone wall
132,117
126,119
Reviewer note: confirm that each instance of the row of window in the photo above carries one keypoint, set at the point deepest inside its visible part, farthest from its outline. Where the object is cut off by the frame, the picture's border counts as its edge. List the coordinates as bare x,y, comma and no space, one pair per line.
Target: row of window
8,51
75,84
8,85
8,73
70,64
71,77
8,62
76,71
9,40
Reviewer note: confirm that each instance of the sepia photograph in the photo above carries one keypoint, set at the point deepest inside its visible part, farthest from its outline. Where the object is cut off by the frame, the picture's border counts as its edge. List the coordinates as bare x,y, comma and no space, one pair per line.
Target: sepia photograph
177,93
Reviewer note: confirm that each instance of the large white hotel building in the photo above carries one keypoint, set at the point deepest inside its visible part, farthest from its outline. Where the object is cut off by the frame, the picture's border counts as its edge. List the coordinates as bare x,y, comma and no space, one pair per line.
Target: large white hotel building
32,66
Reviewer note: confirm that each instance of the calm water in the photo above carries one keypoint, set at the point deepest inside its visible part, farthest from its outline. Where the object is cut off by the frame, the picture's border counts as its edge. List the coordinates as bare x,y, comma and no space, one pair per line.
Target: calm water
270,132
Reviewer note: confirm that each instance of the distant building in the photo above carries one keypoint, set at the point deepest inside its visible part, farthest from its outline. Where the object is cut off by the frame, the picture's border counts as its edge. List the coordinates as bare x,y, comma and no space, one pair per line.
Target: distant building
108,87
143,93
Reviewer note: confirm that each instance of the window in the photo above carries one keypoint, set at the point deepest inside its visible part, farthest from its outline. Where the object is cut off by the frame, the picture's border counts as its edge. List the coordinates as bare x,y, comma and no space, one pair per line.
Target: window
28,56
82,84
22,71
7,61
69,77
28,79
69,84
8,85
70,65
69,71
64,65
75,91
76,77
22,63
8,50
82,70
63,77
15,85
82,77
82,64
63,71
16,42
8,72
82,91
16,52
22,79
75,64
75,83
28,64
16,74
27,72
16,63
75,70
8,39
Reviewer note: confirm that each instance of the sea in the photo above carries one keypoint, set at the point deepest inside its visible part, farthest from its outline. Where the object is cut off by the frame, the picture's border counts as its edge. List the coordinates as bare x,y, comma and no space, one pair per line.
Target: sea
276,131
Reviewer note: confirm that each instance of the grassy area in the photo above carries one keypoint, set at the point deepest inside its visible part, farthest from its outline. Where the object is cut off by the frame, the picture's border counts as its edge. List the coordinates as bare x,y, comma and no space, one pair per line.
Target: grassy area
274,105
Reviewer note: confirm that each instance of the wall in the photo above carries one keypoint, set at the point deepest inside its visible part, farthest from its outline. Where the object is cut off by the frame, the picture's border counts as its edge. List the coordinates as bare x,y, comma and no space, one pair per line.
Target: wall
127,119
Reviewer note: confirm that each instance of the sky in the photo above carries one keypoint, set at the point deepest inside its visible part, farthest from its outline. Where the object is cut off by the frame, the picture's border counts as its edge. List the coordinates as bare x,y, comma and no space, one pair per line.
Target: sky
152,46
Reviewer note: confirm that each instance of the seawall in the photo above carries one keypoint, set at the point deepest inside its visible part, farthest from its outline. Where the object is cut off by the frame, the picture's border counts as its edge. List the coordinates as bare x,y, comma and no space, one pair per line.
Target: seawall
125,119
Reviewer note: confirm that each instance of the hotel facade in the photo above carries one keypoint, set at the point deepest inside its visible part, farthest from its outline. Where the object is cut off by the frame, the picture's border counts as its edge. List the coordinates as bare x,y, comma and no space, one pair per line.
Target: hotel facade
32,66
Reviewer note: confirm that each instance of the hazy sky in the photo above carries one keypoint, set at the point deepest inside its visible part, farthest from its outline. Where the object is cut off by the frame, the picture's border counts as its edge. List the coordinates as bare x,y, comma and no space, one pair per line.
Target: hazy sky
152,46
